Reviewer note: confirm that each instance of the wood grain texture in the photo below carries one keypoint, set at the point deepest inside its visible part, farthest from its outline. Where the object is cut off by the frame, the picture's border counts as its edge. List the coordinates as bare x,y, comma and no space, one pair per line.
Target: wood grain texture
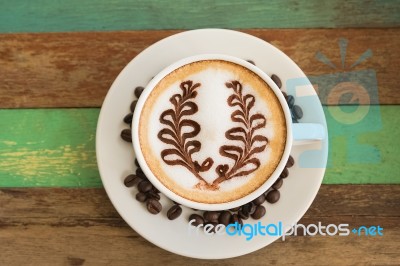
80,226
77,69
56,147
48,147
47,15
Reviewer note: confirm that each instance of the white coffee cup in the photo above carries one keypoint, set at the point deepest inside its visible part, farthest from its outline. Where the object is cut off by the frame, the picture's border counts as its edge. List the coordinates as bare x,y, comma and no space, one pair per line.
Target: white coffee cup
295,134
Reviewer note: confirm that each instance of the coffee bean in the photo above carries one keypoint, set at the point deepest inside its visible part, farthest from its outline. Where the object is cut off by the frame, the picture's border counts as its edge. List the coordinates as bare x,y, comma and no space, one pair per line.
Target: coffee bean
285,173
176,203
142,197
154,206
294,120
138,91
249,208
290,101
145,186
133,106
128,118
290,162
284,95
278,184
277,80
137,163
153,195
236,219
268,190
139,172
198,219
259,212
259,200
174,212
131,180
126,135
211,216
235,209
251,62
297,112
273,196
224,218
243,215
155,190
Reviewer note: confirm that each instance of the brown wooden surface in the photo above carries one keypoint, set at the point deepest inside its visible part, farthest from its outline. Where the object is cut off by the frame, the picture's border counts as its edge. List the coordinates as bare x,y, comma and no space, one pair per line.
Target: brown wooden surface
43,226
77,69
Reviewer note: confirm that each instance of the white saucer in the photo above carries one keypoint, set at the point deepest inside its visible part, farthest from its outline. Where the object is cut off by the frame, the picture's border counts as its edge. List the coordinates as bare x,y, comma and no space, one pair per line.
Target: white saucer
115,158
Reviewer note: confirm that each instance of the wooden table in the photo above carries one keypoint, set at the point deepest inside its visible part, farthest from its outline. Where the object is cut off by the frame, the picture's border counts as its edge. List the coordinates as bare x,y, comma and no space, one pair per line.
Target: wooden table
58,59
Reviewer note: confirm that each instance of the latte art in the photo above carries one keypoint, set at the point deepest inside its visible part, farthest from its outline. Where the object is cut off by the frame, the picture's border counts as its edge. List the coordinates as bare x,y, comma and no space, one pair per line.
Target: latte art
212,131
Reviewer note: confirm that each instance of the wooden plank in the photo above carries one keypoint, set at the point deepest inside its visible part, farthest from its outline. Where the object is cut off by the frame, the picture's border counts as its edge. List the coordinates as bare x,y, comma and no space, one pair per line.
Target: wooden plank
26,16
77,69
48,147
80,226
55,147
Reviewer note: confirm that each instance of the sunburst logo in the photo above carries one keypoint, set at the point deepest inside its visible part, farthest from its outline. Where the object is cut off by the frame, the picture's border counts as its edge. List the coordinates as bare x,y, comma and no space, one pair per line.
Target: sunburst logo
347,90
351,105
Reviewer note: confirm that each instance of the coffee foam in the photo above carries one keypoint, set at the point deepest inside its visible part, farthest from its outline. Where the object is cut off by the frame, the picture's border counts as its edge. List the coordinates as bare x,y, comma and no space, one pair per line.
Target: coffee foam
214,118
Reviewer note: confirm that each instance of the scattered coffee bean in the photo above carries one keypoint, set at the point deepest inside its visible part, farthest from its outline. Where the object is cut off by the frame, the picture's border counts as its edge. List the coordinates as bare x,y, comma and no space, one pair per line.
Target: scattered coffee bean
174,212
290,101
259,212
273,196
284,94
285,173
155,190
128,118
277,80
176,203
133,106
145,186
278,184
290,162
211,216
235,209
259,200
131,180
139,172
248,208
197,219
243,214
224,218
126,135
236,219
251,62
297,112
137,163
153,206
138,91
294,120
153,195
142,197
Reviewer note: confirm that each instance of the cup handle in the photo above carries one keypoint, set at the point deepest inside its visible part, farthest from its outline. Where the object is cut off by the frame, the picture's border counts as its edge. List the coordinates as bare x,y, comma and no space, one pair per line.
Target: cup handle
305,133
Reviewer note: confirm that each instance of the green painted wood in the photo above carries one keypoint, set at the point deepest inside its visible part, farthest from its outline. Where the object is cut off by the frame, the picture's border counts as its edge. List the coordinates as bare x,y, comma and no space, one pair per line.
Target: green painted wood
78,15
55,147
48,147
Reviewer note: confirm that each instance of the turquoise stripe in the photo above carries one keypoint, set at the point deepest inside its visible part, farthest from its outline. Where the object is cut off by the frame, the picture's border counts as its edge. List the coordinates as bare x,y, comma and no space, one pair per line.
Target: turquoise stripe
105,15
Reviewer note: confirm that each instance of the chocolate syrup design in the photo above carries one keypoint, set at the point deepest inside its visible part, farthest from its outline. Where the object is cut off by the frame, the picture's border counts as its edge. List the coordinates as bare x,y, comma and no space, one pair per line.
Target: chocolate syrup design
183,144
249,143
